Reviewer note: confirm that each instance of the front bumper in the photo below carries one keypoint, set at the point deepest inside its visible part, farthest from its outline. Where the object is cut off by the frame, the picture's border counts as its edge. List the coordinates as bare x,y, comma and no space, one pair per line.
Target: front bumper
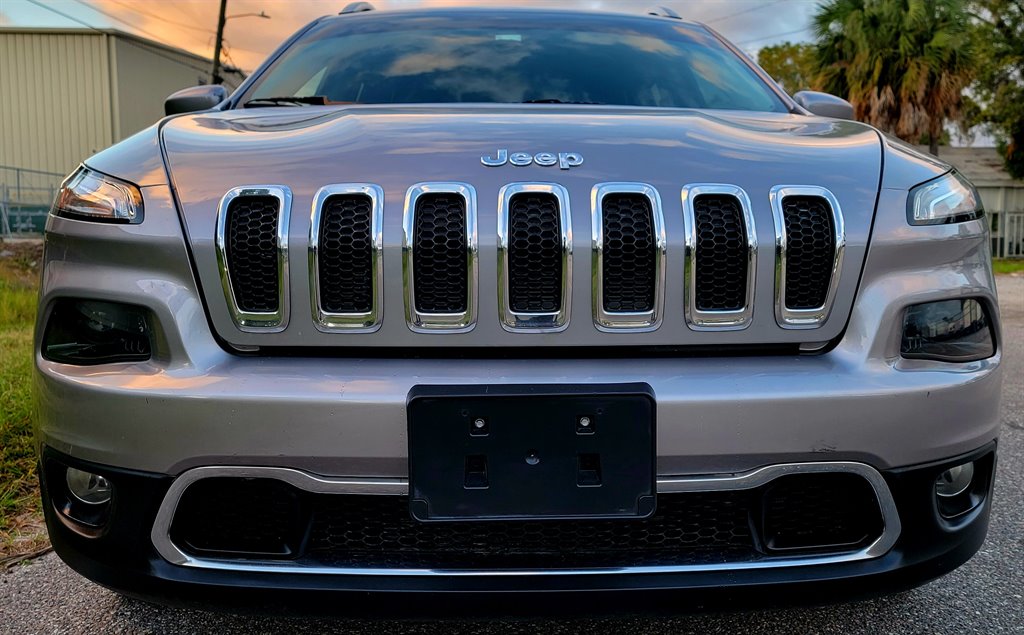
125,559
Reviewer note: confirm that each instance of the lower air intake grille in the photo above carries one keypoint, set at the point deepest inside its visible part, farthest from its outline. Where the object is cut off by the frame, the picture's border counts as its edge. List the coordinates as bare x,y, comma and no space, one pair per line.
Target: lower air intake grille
534,254
346,254
628,259
264,519
810,250
440,262
721,253
252,255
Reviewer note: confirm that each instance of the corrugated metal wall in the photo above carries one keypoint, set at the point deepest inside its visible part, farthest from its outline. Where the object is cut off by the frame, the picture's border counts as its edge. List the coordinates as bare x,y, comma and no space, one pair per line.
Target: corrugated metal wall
55,106
146,75
67,94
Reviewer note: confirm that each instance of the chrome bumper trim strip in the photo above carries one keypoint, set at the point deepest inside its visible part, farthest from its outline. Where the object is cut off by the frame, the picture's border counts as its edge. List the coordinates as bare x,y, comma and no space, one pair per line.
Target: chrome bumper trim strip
160,533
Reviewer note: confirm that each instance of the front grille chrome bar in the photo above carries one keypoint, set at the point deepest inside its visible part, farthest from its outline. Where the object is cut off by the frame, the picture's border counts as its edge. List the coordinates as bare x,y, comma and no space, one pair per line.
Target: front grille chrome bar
696,318
634,321
256,321
456,322
813,317
361,322
512,320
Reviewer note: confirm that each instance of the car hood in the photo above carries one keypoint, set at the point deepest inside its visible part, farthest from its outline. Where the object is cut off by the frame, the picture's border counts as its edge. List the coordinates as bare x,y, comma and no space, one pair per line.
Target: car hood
396,147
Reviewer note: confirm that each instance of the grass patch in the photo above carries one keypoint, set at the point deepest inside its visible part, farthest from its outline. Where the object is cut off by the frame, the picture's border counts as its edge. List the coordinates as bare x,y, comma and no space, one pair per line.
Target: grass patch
20,524
1008,265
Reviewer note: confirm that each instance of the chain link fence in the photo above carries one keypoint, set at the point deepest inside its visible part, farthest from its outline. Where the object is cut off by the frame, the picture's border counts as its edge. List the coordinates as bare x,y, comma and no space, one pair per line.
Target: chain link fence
25,199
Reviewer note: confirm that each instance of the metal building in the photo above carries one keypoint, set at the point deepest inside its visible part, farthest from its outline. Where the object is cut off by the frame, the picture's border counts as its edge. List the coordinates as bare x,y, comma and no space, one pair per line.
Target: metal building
1002,195
68,93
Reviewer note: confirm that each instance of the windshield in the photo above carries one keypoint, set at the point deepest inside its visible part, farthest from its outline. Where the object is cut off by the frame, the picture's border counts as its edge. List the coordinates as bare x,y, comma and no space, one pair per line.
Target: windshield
511,57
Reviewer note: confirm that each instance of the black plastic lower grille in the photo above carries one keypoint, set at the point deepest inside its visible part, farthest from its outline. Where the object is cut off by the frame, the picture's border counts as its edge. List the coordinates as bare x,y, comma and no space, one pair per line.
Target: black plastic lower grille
345,255
440,262
252,255
828,511
720,261
810,250
272,520
628,258
534,253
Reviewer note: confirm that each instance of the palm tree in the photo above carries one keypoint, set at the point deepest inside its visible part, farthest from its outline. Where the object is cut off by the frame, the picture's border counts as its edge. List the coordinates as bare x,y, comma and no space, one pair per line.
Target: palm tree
903,64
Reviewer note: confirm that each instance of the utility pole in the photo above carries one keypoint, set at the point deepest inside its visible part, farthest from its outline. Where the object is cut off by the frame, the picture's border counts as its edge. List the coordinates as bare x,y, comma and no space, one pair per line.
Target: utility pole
215,77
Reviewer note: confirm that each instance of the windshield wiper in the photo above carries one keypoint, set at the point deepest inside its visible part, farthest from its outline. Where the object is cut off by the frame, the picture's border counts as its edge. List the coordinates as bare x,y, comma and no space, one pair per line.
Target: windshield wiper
559,101
262,102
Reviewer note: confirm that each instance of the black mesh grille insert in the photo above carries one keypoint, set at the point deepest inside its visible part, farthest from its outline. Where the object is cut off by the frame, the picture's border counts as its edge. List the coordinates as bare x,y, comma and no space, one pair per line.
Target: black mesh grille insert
810,250
440,263
628,261
534,253
251,244
721,253
830,510
346,254
810,512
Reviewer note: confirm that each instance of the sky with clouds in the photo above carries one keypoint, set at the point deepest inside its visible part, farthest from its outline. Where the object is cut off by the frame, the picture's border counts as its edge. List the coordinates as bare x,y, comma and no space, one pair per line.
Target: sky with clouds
191,24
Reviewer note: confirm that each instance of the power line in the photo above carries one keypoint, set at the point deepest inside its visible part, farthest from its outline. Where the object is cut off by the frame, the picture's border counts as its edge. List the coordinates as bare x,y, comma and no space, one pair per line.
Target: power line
160,17
123,21
739,13
98,30
768,37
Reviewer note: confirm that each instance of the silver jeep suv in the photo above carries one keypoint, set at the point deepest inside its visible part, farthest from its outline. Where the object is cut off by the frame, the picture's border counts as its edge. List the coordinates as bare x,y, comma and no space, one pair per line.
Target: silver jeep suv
499,300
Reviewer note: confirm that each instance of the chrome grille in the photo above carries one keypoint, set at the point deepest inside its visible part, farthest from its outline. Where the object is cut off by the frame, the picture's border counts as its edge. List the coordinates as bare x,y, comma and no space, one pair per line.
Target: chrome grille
440,256
810,242
345,257
629,246
535,257
252,251
721,256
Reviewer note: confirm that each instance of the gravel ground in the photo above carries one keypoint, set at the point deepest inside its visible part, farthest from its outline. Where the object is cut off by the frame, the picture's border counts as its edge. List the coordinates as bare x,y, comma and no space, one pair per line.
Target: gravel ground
984,596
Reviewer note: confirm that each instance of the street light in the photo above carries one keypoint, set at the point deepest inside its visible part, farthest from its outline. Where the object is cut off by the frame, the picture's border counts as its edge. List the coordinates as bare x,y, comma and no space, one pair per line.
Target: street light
215,77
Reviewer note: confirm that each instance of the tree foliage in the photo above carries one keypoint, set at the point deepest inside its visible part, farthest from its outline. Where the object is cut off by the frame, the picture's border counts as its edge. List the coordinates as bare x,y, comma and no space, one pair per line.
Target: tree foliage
999,42
903,64
794,66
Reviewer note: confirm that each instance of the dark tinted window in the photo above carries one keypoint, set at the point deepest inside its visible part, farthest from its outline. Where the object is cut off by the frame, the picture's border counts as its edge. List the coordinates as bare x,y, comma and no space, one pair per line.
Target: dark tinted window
514,57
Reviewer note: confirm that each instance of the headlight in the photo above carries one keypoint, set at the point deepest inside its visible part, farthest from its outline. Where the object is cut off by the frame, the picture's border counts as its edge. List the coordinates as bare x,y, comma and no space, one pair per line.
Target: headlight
89,195
948,199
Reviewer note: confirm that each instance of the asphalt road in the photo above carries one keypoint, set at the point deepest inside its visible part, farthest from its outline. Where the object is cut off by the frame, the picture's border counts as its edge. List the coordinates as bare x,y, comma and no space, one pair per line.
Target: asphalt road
984,596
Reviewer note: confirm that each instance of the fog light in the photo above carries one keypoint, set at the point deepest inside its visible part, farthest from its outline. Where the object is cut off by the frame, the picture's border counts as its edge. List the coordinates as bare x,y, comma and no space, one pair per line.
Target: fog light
955,480
948,331
91,489
88,332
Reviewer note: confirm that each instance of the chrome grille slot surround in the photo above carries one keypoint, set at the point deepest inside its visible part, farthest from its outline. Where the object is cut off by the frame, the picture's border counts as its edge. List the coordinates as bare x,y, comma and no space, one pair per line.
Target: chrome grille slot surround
252,255
439,253
345,251
628,251
810,239
534,257
721,257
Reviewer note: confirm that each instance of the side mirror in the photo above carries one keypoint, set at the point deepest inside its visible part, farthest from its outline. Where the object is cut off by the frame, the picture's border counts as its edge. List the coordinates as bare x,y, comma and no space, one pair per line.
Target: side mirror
824,104
195,99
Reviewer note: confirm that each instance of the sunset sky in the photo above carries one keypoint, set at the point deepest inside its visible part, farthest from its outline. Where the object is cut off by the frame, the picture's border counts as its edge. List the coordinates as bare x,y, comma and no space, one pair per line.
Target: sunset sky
191,24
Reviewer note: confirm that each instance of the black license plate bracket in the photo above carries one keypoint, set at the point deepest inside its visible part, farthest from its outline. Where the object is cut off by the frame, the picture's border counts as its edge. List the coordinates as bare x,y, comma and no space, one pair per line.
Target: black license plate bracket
531,452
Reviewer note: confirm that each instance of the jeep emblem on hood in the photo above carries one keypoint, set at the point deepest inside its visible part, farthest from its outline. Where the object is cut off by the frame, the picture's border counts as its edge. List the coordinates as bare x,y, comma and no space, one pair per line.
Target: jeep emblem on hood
565,160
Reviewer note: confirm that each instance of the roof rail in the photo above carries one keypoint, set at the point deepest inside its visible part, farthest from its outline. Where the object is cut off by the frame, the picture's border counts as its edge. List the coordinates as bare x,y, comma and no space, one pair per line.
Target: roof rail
356,7
664,12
